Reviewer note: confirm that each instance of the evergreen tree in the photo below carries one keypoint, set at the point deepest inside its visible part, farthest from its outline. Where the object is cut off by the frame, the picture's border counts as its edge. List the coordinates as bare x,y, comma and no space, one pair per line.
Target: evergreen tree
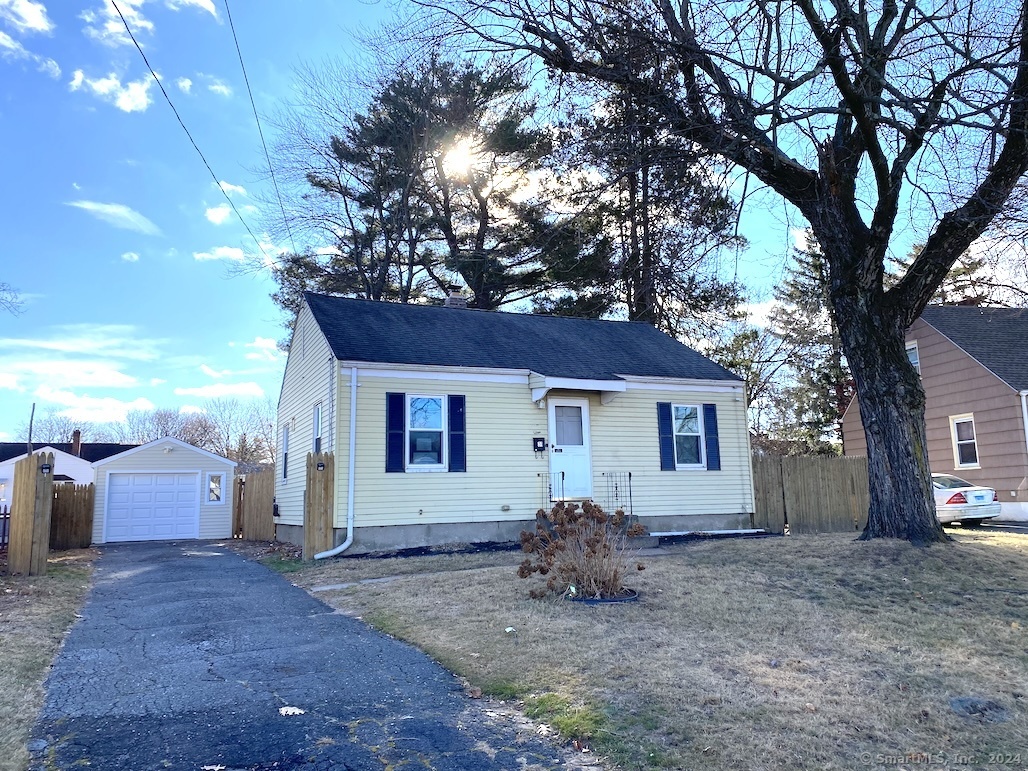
820,385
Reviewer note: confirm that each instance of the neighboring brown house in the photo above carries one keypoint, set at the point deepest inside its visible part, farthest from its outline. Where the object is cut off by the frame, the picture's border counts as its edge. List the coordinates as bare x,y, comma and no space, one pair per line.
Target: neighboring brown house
974,368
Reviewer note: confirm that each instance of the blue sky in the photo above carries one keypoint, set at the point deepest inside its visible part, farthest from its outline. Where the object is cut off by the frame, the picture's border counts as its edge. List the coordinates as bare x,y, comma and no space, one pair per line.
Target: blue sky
114,232
119,240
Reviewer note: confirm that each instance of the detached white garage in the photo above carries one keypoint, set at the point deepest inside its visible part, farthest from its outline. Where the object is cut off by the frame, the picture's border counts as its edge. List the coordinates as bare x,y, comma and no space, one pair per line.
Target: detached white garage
162,491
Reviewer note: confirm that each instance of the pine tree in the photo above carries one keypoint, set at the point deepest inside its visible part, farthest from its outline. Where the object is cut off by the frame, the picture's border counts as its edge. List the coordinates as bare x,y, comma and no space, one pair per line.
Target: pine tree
821,386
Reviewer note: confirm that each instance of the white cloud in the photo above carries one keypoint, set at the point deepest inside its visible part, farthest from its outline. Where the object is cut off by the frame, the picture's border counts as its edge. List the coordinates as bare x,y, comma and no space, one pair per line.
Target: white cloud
211,372
229,188
90,408
26,15
108,341
105,25
130,257
206,5
264,349
221,253
190,409
219,87
9,381
12,50
71,374
119,215
185,85
133,96
156,381
219,214
221,390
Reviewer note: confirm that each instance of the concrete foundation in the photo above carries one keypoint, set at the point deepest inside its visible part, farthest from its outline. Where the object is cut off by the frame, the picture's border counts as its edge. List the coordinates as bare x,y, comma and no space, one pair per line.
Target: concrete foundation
395,537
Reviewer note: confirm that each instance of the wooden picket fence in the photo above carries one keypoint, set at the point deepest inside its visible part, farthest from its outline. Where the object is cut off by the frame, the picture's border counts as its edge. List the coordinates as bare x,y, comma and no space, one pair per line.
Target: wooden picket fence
30,515
810,494
71,518
319,504
253,518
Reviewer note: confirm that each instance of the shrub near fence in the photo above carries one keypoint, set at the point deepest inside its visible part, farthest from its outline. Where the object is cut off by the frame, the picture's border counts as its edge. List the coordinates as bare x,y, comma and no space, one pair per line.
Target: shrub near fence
812,494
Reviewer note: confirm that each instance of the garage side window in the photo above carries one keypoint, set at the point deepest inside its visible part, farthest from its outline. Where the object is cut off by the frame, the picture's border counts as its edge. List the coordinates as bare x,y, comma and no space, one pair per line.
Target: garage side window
285,452
965,443
215,488
317,428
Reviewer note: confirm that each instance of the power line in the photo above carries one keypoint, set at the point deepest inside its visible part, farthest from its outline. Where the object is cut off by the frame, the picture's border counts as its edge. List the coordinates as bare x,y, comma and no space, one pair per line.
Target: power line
183,125
267,155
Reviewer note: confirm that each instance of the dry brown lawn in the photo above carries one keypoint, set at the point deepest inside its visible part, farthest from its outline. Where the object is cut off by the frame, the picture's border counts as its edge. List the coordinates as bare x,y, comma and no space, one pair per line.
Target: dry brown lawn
35,614
798,652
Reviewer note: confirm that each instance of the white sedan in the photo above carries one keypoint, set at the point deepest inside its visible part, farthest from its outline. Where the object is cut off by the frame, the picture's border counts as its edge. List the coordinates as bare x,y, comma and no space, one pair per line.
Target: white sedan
957,500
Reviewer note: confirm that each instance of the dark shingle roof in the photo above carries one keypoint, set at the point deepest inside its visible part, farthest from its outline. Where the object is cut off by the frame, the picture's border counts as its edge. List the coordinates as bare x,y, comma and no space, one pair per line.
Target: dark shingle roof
996,337
363,330
91,451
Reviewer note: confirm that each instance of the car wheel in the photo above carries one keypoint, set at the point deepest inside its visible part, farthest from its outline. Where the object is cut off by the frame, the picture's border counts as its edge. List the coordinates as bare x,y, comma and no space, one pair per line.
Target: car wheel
970,522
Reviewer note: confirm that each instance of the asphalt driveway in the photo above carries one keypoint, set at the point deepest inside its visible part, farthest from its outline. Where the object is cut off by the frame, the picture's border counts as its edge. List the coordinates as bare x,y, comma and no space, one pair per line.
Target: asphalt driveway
190,657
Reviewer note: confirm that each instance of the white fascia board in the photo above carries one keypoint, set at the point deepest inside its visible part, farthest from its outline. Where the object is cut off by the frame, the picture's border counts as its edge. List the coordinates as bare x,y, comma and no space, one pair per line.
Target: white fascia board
637,383
577,384
167,440
432,372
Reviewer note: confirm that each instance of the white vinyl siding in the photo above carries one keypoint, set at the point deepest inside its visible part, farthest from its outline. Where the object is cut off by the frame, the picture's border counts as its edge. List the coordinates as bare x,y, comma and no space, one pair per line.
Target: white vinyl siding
307,382
504,470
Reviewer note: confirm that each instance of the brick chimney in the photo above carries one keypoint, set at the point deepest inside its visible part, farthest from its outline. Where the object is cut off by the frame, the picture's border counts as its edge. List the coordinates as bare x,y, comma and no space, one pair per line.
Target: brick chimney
76,443
455,299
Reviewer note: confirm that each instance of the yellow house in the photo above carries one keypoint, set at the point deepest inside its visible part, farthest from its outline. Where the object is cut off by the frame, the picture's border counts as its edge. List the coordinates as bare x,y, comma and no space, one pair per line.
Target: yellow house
451,425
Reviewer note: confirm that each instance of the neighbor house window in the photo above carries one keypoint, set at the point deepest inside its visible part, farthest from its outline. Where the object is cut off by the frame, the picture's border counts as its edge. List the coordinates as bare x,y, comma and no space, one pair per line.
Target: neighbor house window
215,490
285,452
686,422
965,446
317,428
425,430
913,357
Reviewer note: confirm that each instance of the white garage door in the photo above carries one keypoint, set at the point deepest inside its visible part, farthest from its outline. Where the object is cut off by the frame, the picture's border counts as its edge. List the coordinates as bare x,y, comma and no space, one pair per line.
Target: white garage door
153,507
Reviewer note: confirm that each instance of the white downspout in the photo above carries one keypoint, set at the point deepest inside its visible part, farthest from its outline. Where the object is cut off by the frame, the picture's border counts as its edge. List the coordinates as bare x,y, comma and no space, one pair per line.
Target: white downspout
1024,415
351,468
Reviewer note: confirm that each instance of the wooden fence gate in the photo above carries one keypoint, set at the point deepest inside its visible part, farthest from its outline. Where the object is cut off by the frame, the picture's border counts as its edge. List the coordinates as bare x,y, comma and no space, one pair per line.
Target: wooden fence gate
319,504
811,494
71,520
254,517
30,515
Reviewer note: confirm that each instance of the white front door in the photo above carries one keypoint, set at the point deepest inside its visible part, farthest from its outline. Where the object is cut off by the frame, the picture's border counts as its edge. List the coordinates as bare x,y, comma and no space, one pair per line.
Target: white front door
570,461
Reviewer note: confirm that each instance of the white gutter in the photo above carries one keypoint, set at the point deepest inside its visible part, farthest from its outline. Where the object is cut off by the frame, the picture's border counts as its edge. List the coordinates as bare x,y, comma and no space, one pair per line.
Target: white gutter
1024,415
351,467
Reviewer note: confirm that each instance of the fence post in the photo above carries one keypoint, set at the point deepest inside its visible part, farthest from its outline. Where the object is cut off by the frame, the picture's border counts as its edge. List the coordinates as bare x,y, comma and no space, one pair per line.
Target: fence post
30,515
319,508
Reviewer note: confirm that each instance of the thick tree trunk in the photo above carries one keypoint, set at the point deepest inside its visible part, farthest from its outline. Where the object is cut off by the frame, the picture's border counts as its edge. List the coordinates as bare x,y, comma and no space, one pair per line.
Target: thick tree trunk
891,403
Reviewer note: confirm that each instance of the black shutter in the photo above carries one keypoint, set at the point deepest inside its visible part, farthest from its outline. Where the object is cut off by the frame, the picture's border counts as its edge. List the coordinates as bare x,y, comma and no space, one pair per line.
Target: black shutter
711,437
458,445
666,436
396,408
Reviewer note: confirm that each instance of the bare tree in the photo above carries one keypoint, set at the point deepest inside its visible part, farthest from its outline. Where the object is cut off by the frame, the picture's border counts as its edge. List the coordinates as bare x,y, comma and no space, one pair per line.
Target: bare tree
10,300
853,113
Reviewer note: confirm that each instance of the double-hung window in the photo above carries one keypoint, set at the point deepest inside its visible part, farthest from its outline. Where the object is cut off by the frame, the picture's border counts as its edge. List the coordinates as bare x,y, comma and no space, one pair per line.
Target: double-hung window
215,491
687,423
285,452
688,437
317,428
913,356
425,432
426,417
965,444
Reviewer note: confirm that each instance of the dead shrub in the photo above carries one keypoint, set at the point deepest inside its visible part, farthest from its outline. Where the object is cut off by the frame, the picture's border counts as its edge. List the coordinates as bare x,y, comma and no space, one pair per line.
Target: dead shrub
582,550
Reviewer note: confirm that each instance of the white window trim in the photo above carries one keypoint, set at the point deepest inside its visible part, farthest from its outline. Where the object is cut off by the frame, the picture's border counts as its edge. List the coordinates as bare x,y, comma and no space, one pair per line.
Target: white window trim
207,489
965,418
423,468
912,346
702,465
317,419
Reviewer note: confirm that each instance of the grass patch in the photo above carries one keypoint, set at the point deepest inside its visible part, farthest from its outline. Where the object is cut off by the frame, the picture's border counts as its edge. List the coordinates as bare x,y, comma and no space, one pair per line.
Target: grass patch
798,652
35,614
282,564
